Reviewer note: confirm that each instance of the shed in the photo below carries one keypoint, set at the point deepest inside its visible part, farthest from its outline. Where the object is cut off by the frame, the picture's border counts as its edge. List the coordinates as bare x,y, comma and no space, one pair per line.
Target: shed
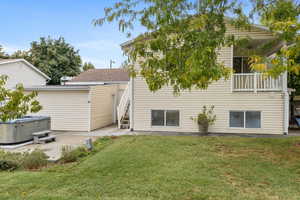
79,108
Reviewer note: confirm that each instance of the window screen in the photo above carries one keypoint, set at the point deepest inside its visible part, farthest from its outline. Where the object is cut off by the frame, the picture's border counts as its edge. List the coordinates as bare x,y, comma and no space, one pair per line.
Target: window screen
172,118
158,117
236,119
253,119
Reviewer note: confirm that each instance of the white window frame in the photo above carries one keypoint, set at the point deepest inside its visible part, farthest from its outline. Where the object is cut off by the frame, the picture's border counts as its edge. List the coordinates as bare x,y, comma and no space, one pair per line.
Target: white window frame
165,117
244,111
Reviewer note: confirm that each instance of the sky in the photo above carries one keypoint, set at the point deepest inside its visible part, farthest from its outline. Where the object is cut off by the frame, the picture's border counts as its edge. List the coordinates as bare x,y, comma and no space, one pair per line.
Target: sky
24,21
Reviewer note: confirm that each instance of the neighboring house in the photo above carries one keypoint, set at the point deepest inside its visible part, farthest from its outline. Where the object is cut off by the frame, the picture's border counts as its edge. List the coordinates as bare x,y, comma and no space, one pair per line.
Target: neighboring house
100,77
86,105
248,103
21,71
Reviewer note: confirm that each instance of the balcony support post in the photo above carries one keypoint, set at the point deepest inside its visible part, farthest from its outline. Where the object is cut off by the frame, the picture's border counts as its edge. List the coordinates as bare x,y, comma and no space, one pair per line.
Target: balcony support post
255,82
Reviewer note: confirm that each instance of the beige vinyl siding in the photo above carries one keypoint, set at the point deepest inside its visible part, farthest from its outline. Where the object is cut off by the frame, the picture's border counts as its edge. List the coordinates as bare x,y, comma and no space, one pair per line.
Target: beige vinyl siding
69,110
218,94
19,72
102,105
253,32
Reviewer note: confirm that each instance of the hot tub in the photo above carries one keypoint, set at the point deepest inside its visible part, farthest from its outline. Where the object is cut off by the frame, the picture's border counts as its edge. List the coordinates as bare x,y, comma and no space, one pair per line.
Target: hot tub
20,130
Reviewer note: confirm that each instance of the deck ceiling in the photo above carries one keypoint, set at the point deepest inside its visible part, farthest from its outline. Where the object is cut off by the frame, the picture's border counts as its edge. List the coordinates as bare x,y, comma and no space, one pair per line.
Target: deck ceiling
263,47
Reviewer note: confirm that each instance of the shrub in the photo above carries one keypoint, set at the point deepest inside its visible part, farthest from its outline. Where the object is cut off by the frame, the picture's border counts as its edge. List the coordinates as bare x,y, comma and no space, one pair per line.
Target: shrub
6,165
34,160
70,154
205,119
16,103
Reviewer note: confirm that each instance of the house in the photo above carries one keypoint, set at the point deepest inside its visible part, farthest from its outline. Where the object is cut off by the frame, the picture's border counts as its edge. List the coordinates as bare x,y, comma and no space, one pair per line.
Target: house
21,71
89,102
247,103
100,77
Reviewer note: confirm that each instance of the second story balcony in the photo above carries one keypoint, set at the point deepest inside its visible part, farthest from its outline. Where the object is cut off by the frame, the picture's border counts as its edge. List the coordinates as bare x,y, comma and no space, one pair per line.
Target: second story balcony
256,82
245,80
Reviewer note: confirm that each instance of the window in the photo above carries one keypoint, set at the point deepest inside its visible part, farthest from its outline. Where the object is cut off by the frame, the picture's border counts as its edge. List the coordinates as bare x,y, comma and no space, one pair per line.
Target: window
158,117
241,65
172,118
237,119
165,118
253,119
245,119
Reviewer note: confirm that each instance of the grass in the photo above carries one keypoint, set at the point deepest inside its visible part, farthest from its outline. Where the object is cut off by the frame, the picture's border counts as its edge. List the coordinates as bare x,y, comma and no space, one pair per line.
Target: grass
169,168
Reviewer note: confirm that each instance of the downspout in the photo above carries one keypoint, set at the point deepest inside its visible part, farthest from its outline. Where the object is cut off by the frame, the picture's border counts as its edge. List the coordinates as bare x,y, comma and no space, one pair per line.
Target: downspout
286,106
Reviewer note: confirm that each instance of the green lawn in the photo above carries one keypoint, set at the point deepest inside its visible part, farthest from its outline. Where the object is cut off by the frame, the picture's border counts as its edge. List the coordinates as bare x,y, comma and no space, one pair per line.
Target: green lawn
169,168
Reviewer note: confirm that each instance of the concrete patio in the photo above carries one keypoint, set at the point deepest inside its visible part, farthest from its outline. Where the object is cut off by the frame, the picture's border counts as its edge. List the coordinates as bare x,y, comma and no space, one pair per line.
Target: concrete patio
73,139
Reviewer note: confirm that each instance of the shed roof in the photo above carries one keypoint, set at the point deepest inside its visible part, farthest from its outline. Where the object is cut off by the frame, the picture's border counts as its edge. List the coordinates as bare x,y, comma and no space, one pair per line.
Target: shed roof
57,88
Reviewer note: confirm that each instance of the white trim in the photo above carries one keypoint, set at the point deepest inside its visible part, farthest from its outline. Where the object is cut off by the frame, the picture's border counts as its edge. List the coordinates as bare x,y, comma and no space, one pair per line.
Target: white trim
286,105
131,103
96,82
232,53
27,63
57,88
90,111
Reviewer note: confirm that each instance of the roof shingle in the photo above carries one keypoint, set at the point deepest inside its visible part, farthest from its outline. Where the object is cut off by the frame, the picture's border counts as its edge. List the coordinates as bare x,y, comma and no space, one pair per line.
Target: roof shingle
102,75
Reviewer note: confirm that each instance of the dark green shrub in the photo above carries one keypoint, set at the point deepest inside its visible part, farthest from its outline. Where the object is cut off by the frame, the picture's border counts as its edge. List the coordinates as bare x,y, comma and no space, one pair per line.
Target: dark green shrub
34,160
6,165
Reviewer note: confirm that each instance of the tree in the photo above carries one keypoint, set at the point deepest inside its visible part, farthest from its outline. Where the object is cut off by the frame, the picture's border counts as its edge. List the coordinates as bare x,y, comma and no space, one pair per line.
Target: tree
183,37
16,104
2,53
21,54
87,66
56,58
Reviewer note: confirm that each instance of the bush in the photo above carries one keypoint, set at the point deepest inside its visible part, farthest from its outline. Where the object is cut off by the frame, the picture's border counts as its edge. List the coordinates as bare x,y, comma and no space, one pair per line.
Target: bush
205,119
34,160
6,165
70,154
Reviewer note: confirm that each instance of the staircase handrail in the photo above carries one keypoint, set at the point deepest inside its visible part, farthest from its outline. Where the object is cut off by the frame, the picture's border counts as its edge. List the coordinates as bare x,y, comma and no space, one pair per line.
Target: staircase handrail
123,105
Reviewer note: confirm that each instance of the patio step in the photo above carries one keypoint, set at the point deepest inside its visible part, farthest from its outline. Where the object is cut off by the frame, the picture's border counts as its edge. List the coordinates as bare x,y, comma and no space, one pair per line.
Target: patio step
50,138
42,133
125,121
43,137
125,126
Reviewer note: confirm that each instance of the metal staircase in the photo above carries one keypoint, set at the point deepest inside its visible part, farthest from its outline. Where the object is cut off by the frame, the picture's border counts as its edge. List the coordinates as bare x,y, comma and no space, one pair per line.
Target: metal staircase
123,110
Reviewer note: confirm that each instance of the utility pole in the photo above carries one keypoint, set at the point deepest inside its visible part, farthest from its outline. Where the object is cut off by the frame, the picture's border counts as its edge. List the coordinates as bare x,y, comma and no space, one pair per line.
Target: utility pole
111,62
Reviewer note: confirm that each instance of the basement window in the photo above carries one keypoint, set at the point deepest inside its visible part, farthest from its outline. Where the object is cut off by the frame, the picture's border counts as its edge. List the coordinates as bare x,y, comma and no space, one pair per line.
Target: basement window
245,119
165,117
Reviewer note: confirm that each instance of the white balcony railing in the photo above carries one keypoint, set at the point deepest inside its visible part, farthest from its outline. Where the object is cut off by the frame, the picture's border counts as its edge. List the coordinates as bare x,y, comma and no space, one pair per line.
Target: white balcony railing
256,82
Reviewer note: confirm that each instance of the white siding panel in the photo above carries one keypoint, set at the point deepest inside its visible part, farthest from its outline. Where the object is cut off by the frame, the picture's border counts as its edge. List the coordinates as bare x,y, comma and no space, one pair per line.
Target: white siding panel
254,32
19,72
102,105
218,94
69,110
